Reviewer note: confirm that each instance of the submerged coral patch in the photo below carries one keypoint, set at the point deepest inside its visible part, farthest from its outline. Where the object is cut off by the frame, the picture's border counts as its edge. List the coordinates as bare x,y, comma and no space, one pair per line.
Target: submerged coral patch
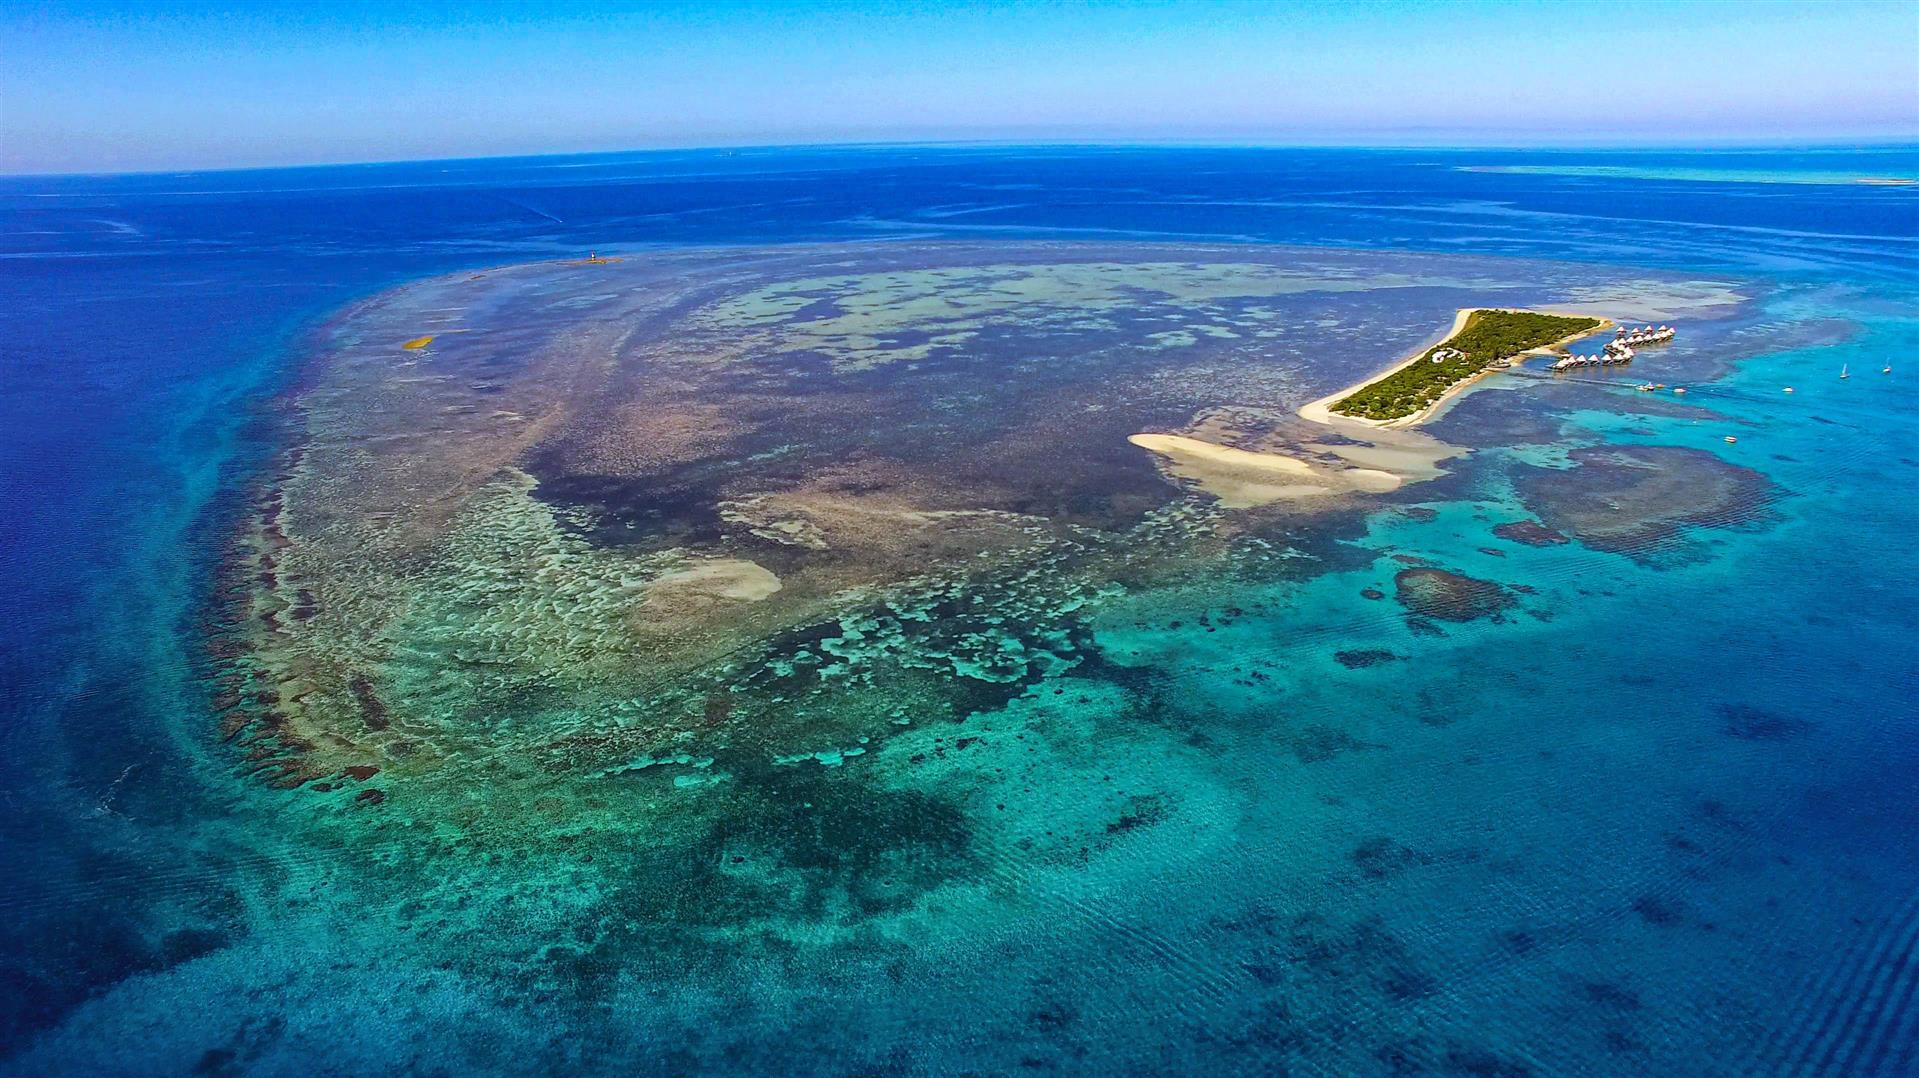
1641,500
1450,596
1749,723
1363,657
1529,532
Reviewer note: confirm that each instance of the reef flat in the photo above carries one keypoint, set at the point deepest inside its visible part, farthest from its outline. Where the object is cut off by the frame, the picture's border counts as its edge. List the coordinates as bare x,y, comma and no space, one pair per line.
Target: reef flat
551,510
764,605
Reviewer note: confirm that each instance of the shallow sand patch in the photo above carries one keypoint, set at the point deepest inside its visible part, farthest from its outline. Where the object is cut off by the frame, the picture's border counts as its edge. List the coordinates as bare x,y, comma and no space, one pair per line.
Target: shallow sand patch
1653,300
720,578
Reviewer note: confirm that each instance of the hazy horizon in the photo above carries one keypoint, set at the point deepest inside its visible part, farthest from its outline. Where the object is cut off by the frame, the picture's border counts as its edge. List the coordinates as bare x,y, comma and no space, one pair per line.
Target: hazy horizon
1451,144
1459,143
105,87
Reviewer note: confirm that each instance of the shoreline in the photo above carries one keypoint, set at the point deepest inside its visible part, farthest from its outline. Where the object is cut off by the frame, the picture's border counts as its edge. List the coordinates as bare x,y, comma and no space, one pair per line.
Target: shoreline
1320,411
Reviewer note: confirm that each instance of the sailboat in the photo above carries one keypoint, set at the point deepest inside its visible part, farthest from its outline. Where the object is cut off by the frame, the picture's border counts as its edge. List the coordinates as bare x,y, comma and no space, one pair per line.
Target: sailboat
1843,372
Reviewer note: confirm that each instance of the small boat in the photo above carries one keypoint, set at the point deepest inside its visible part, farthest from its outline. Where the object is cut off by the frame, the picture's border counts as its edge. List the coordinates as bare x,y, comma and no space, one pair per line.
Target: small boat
1844,371
1730,439
1789,389
1679,389
1887,369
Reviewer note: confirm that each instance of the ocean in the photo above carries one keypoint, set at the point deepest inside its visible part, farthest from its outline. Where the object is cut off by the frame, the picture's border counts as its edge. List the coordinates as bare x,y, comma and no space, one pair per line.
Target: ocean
1592,755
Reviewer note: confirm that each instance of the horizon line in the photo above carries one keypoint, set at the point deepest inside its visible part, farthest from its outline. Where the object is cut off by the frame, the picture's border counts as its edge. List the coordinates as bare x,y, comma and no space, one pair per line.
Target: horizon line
1695,143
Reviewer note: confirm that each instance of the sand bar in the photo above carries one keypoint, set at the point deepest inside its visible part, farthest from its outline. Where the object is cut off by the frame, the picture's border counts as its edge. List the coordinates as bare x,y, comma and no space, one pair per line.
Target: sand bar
1242,479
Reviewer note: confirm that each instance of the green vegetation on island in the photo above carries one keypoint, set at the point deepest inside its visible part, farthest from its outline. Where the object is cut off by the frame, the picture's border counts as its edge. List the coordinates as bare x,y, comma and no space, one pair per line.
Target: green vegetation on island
1488,337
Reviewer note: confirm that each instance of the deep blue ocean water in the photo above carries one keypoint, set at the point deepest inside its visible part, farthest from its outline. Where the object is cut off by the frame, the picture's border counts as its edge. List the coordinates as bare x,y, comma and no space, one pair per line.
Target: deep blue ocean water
1765,917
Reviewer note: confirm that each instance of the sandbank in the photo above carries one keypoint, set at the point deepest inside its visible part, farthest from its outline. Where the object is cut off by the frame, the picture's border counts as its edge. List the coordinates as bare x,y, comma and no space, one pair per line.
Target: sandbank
1242,479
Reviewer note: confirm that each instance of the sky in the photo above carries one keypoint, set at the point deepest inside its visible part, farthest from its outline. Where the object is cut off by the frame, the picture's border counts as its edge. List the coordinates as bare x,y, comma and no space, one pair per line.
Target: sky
100,87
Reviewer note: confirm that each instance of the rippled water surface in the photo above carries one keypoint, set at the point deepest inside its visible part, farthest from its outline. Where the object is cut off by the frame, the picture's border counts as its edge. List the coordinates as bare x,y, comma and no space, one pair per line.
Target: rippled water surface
764,650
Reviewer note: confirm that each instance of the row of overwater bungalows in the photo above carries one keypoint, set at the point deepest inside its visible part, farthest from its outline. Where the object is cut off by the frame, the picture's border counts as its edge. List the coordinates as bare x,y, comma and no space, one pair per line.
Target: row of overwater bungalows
1617,350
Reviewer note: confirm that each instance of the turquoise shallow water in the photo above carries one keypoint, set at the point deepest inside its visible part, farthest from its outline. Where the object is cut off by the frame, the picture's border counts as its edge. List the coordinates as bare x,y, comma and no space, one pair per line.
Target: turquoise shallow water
1652,814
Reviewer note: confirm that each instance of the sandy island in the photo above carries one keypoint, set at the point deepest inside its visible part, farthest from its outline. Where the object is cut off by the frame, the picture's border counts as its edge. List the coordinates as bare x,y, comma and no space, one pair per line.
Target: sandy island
1364,456
1320,411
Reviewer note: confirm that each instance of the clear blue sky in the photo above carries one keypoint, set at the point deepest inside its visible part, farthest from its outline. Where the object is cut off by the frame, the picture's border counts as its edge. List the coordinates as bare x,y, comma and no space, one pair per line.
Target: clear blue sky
98,87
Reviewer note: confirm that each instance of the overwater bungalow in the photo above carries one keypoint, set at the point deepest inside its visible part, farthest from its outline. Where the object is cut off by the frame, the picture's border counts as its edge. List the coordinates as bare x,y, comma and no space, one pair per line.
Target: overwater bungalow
1618,350
1644,335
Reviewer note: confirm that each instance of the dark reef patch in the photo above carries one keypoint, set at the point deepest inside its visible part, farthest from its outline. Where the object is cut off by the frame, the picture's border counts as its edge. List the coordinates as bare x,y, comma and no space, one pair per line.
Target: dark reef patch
801,845
1610,996
1380,857
1450,596
1422,1056
1142,810
1749,723
1364,955
372,711
1529,532
1483,1063
1317,744
643,512
1639,500
1657,910
1364,657
1482,419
